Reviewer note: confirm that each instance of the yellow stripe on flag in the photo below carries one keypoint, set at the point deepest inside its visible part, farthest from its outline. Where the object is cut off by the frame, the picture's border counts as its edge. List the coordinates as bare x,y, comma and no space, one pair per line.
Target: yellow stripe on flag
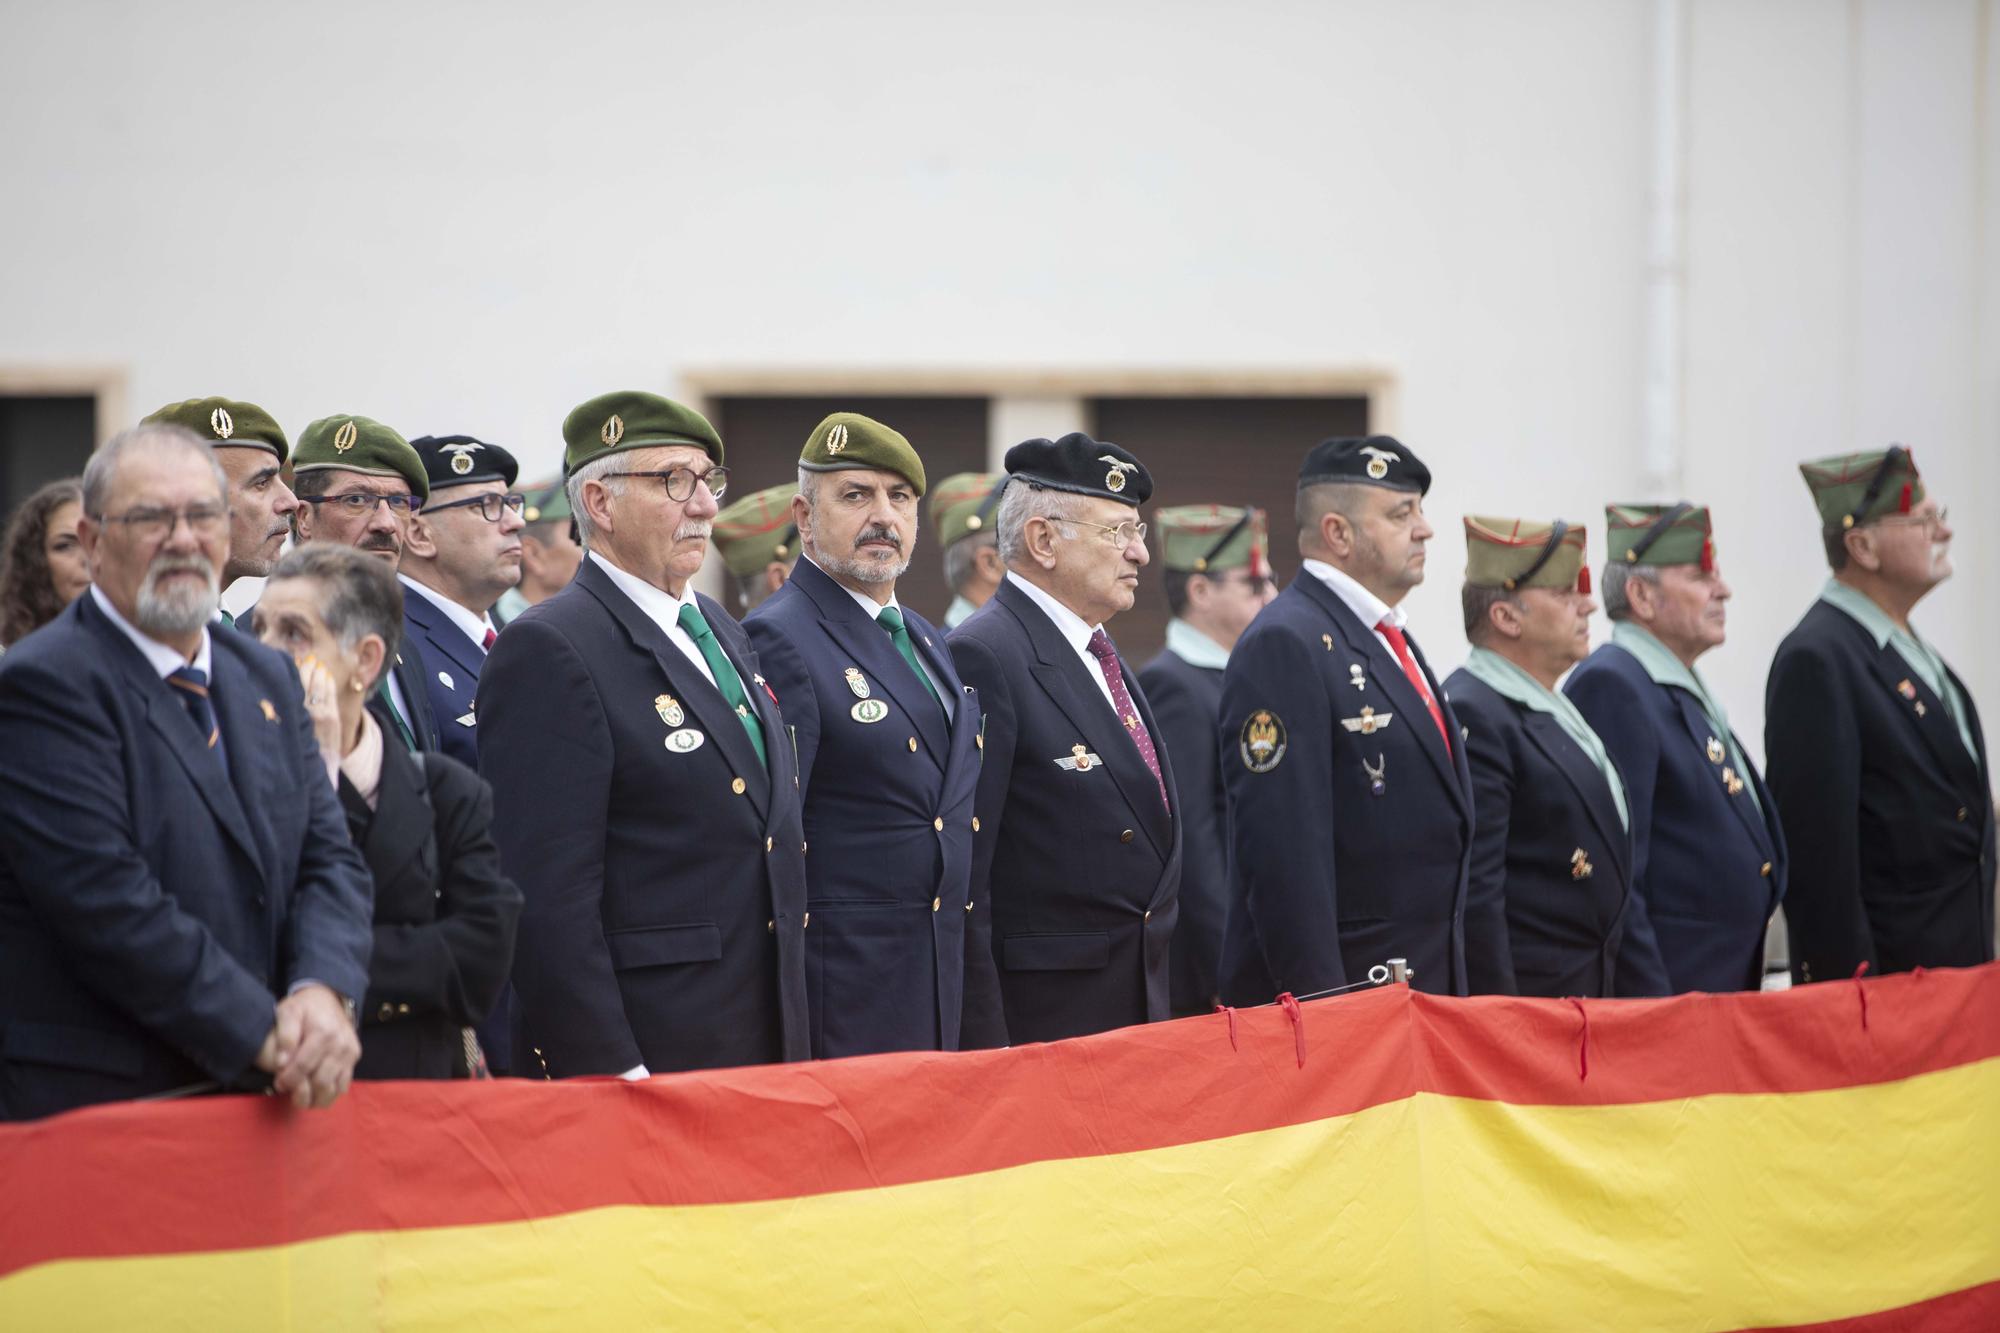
1434,1212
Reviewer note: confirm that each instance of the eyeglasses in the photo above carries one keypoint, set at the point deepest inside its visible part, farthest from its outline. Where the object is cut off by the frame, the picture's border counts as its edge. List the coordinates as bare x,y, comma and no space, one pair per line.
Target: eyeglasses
489,505
1121,536
153,525
356,503
680,481
1930,521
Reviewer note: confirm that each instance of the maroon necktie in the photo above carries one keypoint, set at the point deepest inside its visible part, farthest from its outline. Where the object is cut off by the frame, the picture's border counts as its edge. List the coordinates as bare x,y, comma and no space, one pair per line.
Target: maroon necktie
487,642
1401,647
1107,658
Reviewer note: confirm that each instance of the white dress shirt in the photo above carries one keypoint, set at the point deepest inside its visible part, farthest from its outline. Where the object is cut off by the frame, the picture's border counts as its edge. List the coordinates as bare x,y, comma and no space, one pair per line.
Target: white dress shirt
158,656
1070,625
874,609
474,626
663,609
1371,610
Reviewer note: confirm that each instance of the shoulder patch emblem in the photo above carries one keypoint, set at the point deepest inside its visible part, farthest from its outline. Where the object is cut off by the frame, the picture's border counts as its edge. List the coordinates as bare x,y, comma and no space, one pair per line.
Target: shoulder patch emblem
1263,741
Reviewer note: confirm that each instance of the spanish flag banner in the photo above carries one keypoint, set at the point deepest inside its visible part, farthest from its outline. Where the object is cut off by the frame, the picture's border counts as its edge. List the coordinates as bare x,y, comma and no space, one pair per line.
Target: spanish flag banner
1827,1157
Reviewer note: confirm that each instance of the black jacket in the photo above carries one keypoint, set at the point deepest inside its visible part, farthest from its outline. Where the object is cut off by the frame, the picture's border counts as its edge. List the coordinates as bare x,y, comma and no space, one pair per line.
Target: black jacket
1188,701
444,914
1888,818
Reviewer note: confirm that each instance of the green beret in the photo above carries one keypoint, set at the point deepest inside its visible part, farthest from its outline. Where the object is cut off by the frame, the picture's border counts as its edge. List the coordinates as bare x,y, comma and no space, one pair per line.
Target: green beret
754,531
347,443
1514,553
548,502
1207,539
847,440
1676,534
630,419
1851,489
224,422
963,504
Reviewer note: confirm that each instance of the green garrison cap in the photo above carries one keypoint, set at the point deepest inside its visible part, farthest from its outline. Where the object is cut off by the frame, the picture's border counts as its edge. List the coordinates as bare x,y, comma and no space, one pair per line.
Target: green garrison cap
754,531
963,504
359,444
548,502
848,440
630,419
224,422
1513,553
1675,534
1207,539
1851,489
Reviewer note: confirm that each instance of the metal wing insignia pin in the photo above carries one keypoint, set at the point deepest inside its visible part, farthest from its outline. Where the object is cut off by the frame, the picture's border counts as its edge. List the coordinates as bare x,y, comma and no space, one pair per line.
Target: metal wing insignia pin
1368,723
1078,760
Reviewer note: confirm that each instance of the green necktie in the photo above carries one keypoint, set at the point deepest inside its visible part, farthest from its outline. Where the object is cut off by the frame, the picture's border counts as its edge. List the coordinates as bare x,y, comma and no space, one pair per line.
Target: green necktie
891,619
725,675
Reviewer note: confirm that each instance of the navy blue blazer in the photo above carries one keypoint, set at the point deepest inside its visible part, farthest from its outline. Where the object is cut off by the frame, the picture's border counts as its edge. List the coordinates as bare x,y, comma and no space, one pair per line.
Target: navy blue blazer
1547,845
1328,875
450,663
891,959
662,865
1188,701
1081,865
157,896
1888,818
1708,868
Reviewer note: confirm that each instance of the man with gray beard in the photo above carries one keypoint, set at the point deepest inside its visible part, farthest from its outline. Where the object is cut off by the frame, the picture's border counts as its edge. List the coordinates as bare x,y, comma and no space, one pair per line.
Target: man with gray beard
898,958
180,908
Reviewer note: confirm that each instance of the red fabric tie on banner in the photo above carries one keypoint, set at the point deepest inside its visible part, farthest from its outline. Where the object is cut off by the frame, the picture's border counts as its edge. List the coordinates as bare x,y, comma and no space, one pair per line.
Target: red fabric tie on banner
1291,1007
1861,992
1582,1041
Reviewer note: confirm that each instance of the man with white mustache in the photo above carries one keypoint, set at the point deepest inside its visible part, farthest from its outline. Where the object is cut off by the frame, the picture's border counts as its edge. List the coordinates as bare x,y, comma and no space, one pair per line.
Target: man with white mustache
1708,852
1876,756
645,792
180,907
888,748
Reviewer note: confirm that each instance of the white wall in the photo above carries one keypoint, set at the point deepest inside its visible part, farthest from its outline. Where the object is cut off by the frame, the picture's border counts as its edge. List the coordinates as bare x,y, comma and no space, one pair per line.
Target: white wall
471,217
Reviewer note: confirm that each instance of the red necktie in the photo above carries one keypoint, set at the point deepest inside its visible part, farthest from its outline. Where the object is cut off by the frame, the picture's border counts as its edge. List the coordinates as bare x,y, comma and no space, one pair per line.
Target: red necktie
1107,658
487,642
1401,647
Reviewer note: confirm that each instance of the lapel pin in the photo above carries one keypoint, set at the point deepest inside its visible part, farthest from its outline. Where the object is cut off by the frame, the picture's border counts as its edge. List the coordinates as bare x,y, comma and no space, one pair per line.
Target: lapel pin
1355,675
444,679
270,713
1904,688
1368,723
685,741
1579,865
1714,750
1078,760
1376,773
868,710
1921,710
1327,639
669,709
857,683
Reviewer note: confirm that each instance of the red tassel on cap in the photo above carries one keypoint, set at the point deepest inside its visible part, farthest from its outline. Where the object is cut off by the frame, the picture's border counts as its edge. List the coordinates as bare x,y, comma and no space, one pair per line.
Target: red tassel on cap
1707,555
1583,580
1903,505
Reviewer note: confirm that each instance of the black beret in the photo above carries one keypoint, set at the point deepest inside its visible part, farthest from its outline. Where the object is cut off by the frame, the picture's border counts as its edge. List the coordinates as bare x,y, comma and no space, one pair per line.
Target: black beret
460,460
1082,466
1377,460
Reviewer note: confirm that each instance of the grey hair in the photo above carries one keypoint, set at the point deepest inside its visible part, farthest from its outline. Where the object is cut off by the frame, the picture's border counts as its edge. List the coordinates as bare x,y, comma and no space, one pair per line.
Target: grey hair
598,470
159,437
361,597
1613,586
809,486
958,558
1478,601
1316,501
1026,500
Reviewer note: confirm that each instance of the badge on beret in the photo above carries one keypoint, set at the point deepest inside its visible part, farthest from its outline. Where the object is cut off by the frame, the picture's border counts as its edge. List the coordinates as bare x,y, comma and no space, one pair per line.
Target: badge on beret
1262,743
222,423
613,429
1114,480
344,438
868,710
1379,460
836,439
669,709
1078,760
685,741
857,683
1369,722
461,456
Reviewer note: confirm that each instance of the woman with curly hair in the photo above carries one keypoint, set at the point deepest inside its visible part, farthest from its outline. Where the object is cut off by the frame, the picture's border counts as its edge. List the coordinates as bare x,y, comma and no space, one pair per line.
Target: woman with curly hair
42,565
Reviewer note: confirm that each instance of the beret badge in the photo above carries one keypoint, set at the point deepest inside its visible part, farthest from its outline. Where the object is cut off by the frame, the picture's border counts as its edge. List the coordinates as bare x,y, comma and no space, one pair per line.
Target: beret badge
836,439
1378,461
1114,479
221,423
344,438
613,430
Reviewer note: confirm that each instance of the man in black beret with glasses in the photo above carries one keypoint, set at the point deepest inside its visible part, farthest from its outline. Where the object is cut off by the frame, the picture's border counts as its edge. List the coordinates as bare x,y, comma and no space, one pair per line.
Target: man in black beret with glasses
1077,841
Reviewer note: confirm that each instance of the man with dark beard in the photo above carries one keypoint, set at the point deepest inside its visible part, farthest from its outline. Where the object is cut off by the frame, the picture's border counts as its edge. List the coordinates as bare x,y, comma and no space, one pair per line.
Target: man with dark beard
180,907
888,753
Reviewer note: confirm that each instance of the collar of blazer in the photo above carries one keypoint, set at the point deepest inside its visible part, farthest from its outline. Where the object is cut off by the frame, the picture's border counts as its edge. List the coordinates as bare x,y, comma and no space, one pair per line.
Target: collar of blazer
246,732
1695,718
1388,675
442,633
702,699
1069,686
869,646
1906,692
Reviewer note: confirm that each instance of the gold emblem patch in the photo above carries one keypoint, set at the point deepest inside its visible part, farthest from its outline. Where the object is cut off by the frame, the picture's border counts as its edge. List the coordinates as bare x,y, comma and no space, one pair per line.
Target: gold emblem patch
344,438
221,423
1078,760
669,709
836,438
613,430
857,683
1263,741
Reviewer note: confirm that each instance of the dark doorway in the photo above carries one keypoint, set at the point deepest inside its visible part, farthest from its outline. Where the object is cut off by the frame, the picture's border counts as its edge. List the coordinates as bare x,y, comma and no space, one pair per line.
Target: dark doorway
42,439
763,436
1218,451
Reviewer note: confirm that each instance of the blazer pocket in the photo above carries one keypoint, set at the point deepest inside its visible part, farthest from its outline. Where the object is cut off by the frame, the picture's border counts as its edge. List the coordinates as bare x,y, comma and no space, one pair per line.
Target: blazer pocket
72,1048
1079,952
663,946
